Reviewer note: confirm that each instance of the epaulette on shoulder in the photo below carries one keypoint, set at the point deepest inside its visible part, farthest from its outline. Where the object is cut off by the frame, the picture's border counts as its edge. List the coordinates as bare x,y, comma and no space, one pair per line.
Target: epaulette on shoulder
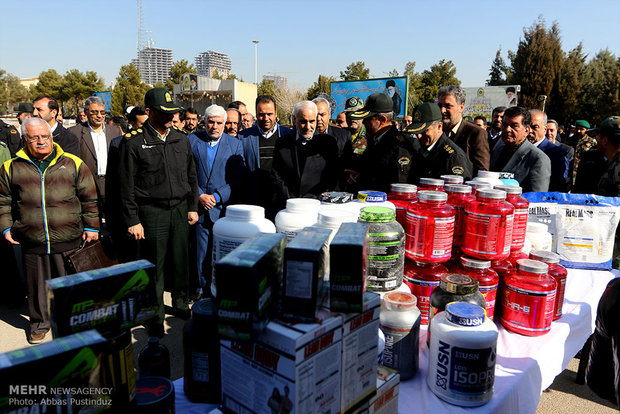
448,149
133,133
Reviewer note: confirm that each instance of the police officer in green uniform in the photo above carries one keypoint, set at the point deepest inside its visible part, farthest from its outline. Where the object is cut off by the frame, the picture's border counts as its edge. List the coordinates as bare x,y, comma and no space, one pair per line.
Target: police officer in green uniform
435,154
10,136
387,158
159,197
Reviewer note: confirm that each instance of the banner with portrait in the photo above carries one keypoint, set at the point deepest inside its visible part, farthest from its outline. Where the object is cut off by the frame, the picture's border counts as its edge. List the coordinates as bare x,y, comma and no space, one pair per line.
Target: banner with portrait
481,101
396,88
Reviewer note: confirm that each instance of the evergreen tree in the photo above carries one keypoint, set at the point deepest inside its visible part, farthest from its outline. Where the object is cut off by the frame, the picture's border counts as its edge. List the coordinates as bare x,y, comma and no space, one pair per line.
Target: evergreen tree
177,69
12,92
601,87
78,86
440,74
129,89
415,83
565,99
497,74
355,71
50,84
267,87
322,85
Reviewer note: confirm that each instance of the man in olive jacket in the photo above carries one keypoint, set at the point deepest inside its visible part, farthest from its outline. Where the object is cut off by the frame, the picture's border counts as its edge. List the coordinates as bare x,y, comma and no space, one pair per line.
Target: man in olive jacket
48,204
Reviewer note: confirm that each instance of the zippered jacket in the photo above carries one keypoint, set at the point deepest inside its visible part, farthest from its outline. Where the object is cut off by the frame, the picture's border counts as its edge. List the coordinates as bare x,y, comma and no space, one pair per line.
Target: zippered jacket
48,211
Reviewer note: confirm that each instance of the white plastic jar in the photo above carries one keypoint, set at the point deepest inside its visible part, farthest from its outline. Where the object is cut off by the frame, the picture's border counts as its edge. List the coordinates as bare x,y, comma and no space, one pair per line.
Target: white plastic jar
336,201
332,219
369,199
490,177
399,321
242,222
539,236
462,355
299,213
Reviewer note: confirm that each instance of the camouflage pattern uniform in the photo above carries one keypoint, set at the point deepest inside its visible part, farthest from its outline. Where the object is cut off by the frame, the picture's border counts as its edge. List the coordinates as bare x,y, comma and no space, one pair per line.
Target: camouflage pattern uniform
584,145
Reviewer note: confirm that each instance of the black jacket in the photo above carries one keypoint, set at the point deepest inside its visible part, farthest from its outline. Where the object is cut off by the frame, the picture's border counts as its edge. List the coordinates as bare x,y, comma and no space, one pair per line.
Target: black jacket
67,141
445,158
10,136
155,172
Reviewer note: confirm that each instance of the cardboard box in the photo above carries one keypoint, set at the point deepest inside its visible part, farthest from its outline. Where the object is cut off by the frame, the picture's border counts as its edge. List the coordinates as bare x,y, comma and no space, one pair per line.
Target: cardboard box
385,401
304,271
248,286
63,375
293,368
109,299
347,253
359,352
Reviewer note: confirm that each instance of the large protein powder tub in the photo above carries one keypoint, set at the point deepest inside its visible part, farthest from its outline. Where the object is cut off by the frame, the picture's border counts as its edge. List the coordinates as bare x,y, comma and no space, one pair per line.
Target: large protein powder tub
556,271
462,355
521,205
487,278
459,196
299,213
400,324
242,222
369,199
401,195
385,257
422,278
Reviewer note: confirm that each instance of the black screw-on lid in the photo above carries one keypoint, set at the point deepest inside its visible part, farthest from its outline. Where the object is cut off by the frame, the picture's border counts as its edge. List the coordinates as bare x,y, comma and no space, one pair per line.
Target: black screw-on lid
204,311
458,283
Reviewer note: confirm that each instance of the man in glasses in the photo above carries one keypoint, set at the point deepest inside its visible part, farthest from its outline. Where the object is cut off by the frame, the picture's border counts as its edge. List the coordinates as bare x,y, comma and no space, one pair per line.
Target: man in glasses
48,204
94,137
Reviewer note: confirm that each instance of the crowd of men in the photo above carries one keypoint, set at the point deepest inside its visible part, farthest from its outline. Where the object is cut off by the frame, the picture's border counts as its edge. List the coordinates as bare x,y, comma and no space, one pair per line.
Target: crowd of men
153,184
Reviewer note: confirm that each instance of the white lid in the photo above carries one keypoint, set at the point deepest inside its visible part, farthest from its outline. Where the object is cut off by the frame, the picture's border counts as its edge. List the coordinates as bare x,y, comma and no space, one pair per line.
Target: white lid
478,184
431,181
533,227
509,189
490,193
452,179
488,174
475,263
245,212
432,196
532,266
302,205
403,188
458,188
334,218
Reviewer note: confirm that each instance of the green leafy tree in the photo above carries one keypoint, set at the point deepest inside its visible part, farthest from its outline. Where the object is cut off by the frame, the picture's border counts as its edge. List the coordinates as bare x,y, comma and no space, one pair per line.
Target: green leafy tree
393,73
12,92
440,74
177,69
601,87
537,62
566,96
415,83
322,85
497,74
355,71
50,83
267,87
232,76
217,75
77,86
159,85
129,89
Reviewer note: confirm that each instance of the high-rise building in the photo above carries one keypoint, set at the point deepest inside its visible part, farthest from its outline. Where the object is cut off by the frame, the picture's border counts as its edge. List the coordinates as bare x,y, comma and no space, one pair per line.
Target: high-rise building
210,61
281,82
154,64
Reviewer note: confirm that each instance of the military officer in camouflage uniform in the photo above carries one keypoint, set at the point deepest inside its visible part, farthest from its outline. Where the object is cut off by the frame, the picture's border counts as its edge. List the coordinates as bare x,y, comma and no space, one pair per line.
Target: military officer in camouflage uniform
584,144
355,126
435,154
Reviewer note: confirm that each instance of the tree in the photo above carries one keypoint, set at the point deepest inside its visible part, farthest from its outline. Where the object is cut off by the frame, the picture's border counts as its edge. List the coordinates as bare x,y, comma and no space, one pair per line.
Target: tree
129,89
50,83
322,85
537,62
566,96
217,75
415,83
267,87
232,76
497,74
285,101
393,73
355,71
440,74
177,69
601,87
12,92
78,86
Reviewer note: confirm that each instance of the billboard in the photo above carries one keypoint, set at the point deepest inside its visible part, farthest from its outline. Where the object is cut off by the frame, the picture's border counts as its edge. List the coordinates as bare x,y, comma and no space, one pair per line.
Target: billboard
395,88
481,101
107,99
189,82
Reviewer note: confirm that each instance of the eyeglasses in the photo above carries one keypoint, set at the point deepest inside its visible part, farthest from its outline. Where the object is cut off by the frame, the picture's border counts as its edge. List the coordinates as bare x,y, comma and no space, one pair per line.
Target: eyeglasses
97,112
35,138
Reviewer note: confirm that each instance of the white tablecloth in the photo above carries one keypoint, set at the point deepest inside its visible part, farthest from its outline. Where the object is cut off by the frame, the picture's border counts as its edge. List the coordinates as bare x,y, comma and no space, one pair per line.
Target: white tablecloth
525,365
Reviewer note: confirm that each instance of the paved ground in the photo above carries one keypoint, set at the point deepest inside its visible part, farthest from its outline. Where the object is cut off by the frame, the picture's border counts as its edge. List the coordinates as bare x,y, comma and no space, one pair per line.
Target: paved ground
563,397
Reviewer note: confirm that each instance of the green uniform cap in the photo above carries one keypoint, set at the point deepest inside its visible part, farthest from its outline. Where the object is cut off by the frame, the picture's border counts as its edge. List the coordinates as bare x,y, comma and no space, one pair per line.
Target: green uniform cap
377,103
161,100
423,116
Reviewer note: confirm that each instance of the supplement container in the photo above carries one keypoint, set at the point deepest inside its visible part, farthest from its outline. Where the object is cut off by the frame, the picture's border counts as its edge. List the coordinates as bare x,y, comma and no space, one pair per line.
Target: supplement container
487,278
521,205
369,199
490,177
516,255
400,324
528,299
154,395
431,184
462,355
459,196
478,185
402,288
503,268
538,235
401,195
201,354
154,360
386,243
242,222
452,179
299,213
336,201
332,219
455,287
488,226
430,228
556,271
508,178
422,278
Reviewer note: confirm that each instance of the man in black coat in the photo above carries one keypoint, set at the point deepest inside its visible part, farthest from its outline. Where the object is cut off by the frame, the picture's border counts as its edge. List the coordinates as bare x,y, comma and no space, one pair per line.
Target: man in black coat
46,108
435,153
304,164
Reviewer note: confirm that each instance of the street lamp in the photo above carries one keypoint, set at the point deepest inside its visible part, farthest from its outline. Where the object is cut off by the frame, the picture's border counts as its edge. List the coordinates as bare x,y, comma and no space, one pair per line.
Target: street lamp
255,61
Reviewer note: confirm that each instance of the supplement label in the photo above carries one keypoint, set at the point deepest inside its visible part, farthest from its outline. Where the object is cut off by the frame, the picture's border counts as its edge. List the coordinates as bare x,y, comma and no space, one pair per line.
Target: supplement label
200,367
401,349
518,228
384,261
429,237
526,311
489,293
299,279
422,290
488,234
559,298
459,225
472,371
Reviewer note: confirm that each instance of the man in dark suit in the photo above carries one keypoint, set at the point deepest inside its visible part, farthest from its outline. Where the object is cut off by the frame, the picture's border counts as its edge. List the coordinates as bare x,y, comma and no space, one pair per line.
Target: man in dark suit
341,135
220,170
304,164
471,138
553,135
94,138
557,156
515,154
46,108
494,132
258,143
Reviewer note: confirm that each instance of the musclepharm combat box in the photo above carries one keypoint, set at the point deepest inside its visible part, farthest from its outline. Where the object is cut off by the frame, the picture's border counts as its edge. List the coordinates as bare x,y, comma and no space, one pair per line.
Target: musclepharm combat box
359,352
248,286
290,368
61,376
385,401
109,299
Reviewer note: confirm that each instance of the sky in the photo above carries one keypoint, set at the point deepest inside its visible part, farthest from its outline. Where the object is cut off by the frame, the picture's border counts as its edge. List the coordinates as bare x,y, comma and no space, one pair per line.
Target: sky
297,39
